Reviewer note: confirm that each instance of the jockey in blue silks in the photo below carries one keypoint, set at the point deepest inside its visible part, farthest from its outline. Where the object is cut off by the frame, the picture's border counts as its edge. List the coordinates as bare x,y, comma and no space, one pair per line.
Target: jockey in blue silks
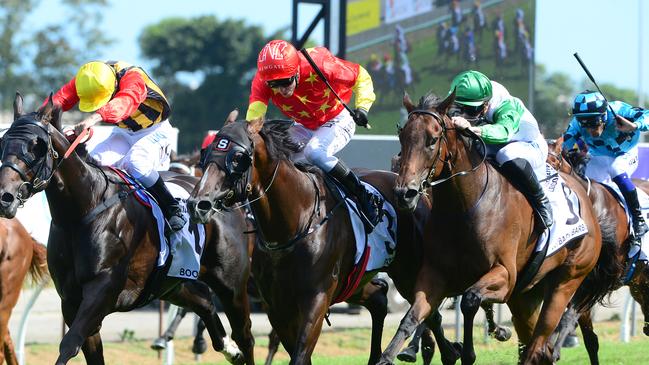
612,141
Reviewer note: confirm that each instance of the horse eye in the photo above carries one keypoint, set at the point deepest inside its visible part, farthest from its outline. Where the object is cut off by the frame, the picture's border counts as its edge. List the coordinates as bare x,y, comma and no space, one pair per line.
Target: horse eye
39,147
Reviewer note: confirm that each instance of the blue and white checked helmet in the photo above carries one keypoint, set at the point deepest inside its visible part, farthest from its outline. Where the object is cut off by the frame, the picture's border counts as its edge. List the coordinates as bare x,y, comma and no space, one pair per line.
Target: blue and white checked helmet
589,104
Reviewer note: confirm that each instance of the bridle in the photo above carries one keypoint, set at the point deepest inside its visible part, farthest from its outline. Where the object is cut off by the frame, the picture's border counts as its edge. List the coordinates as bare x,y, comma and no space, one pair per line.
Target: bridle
428,181
37,166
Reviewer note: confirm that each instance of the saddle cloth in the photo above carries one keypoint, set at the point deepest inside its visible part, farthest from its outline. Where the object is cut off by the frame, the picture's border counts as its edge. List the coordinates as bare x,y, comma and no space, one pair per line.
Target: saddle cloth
185,246
382,240
568,223
643,198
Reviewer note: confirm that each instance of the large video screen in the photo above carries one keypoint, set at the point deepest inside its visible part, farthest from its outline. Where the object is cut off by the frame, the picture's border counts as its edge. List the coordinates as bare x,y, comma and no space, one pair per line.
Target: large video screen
420,45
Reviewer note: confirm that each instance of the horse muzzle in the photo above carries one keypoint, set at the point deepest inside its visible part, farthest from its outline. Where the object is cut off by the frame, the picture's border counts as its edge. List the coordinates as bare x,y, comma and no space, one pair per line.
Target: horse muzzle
8,204
200,210
407,198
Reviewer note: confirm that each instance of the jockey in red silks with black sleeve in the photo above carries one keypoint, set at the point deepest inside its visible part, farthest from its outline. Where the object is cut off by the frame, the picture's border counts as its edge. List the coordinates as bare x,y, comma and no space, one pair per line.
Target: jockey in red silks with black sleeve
123,95
321,122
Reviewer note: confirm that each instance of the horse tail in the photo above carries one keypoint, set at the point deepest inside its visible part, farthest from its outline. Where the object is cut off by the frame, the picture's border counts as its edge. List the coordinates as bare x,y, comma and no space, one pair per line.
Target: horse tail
604,278
38,267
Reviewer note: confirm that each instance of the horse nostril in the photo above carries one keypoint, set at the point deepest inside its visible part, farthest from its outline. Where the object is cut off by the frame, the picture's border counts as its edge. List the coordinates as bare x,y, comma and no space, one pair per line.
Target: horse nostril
7,199
204,206
411,194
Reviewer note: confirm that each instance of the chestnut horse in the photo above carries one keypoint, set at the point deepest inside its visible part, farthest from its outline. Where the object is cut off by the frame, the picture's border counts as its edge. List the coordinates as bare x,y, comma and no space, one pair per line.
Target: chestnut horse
20,254
615,245
306,247
481,234
103,244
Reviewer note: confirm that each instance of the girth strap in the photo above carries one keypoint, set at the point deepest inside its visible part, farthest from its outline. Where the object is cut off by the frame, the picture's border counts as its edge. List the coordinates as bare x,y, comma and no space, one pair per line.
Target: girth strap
120,196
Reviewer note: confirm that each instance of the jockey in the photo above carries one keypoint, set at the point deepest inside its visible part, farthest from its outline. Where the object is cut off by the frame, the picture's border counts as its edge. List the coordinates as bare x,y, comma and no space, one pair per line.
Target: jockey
124,95
510,132
612,141
322,124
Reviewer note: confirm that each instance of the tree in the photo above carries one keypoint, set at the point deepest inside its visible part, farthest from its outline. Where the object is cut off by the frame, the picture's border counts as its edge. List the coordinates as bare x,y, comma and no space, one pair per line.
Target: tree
38,61
553,95
220,55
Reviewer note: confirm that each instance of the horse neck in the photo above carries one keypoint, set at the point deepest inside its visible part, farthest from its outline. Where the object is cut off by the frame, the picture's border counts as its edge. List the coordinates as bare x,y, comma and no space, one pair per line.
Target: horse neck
462,193
284,196
75,184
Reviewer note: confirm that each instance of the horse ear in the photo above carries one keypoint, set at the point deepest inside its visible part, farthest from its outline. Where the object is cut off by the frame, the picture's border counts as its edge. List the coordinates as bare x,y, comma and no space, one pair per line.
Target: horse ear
407,103
18,106
254,126
50,113
232,117
445,105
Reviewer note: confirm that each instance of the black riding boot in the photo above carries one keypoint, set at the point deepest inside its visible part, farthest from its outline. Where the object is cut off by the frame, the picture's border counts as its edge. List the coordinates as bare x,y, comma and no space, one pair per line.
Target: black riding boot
639,225
369,204
521,175
169,205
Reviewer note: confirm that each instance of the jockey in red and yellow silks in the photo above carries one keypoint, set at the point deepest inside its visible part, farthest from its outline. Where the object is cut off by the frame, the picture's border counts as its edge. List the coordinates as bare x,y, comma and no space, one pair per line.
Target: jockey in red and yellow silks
124,95
322,123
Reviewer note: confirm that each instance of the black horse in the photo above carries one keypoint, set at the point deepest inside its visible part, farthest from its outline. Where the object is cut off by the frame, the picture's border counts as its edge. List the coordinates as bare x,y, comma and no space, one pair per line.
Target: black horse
103,244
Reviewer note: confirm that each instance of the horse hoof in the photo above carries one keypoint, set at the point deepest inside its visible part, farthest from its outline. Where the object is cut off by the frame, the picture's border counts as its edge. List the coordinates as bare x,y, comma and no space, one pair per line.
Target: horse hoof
449,359
199,346
408,355
570,341
159,344
232,352
502,334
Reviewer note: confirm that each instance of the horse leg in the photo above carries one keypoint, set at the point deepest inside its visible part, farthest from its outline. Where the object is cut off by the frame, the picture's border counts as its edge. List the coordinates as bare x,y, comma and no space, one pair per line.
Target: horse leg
99,297
448,351
426,298
273,345
9,351
564,328
309,330
93,349
525,308
409,354
639,289
590,337
200,345
374,297
197,297
236,308
427,346
554,304
500,333
160,343
5,338
492,287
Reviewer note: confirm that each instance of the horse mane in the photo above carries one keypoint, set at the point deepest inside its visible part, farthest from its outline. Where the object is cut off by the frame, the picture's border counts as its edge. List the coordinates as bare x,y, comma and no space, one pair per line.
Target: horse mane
429,101
279,143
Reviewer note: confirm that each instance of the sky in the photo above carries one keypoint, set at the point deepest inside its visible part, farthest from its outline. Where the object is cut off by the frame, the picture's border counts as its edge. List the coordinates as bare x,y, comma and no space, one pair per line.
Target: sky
605,33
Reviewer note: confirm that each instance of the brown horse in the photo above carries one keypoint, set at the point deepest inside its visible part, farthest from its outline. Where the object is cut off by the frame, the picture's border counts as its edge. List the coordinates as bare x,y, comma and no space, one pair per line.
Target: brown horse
305,249
20,254
103,244
480,236
615,245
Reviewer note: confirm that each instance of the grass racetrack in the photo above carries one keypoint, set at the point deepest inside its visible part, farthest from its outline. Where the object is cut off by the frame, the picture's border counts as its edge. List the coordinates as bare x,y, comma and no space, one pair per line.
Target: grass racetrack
351,347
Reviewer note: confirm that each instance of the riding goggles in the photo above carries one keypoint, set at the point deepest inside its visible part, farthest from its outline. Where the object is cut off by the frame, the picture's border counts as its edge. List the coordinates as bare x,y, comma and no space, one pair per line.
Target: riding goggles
274,84
591,121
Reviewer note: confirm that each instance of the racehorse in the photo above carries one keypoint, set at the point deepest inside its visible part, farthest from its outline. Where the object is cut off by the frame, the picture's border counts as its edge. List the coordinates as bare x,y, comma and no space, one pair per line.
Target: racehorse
103,245
481,234
616,241
20,254
305,248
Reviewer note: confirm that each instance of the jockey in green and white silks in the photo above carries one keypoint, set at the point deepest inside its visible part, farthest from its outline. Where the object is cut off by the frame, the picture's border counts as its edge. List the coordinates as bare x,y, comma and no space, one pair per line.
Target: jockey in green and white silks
510,131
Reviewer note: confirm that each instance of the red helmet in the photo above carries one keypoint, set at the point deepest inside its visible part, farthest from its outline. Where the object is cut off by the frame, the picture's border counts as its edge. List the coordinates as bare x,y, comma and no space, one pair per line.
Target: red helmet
277,60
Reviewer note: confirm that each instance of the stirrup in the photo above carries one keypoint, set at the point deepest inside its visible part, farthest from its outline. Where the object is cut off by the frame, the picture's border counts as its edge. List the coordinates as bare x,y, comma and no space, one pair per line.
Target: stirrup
629,268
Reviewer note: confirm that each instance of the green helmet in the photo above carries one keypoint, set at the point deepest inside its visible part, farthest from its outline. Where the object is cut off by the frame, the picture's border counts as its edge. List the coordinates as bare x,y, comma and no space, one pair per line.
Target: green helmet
472,88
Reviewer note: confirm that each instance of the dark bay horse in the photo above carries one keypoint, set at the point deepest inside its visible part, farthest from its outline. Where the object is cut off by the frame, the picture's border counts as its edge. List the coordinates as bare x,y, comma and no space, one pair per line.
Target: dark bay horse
615,245
20,255
103,245
480,235
306,247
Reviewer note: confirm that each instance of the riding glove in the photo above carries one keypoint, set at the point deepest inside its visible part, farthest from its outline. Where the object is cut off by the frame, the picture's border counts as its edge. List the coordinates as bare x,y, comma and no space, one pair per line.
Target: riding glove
360,117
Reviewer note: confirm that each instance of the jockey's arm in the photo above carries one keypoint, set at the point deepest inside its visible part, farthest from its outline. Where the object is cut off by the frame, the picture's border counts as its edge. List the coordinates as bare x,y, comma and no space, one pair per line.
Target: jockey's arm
572,136
637,116
506,120
66,97
258,101
131,93
364,90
